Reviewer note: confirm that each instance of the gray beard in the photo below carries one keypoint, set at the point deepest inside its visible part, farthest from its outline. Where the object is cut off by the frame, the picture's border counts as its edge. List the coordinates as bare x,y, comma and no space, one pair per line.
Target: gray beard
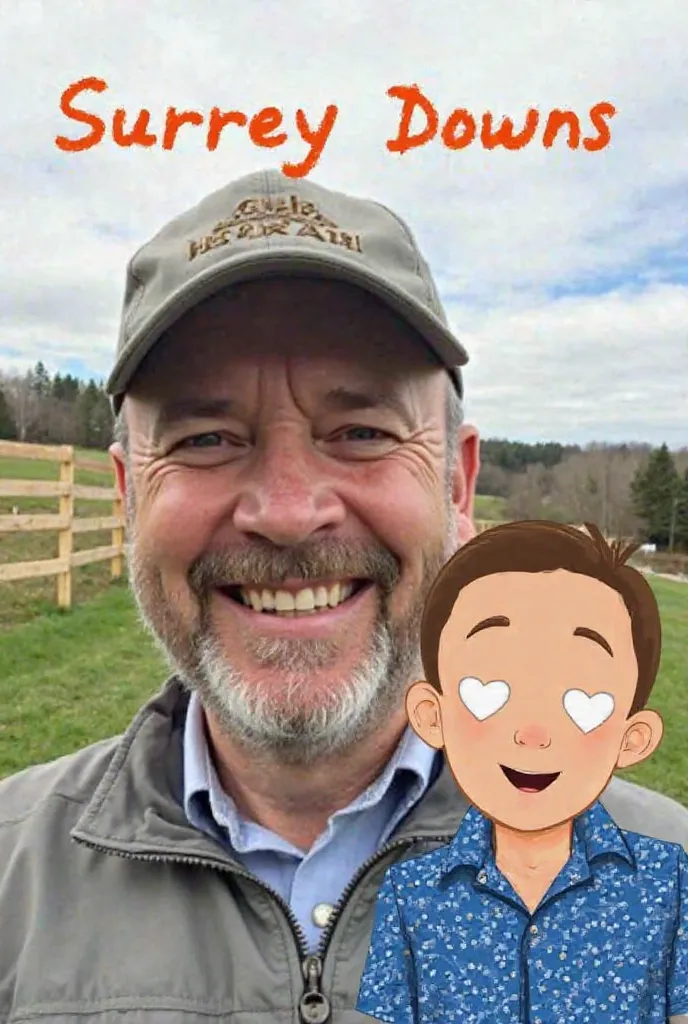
284,725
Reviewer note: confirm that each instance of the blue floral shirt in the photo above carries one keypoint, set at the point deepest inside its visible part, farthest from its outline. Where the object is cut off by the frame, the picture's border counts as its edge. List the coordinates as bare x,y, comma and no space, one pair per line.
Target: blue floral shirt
453,941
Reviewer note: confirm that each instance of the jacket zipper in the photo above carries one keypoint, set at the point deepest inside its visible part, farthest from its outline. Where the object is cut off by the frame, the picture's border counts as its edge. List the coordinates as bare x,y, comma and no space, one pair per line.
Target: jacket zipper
363,870
314,1006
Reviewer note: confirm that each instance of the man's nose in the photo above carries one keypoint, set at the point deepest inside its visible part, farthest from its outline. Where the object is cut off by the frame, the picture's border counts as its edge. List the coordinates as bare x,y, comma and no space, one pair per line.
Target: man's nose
286,495
532,736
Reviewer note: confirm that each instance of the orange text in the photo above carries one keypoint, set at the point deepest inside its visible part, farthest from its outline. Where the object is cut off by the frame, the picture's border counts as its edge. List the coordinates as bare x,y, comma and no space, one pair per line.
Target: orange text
127,130
461,128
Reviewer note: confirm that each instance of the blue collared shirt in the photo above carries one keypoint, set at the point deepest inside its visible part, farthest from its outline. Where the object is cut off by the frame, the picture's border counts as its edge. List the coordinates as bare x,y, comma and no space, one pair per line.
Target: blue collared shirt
608,943
310,883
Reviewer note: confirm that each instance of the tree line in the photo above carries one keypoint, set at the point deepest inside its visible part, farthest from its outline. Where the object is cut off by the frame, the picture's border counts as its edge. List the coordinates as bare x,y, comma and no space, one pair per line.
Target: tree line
629,490
40,409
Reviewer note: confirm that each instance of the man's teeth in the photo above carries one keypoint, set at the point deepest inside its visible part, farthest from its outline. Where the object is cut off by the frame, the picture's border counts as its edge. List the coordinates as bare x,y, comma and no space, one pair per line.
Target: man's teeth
306,600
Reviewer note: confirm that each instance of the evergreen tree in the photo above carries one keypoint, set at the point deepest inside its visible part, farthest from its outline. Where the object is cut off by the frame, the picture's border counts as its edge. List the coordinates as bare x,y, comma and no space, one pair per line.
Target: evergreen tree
653,490
94,417
101,418
8,428
70,386
41,380
681,520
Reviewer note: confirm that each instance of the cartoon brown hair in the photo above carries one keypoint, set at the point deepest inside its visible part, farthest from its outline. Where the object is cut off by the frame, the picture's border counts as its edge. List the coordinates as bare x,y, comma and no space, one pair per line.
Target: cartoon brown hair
542,546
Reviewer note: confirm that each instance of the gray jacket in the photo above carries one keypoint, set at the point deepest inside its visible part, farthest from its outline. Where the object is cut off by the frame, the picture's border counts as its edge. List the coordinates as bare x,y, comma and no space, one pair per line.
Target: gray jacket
114,910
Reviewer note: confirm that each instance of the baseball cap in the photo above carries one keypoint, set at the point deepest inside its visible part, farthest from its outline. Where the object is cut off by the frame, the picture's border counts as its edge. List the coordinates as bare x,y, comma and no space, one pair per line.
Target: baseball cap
267,224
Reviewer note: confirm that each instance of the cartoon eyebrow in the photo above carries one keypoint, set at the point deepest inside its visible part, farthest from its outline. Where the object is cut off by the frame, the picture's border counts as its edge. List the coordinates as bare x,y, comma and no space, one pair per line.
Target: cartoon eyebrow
596,637
494,620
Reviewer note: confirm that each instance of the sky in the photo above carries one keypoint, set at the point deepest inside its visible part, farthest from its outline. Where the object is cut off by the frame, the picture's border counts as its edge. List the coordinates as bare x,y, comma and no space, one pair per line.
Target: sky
563,271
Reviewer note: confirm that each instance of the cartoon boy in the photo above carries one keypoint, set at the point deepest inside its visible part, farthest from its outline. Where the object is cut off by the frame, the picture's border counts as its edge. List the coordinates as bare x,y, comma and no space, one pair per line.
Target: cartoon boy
540,647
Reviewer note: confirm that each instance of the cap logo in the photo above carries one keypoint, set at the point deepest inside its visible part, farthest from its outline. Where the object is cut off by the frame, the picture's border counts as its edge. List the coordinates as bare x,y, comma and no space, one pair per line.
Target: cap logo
260,217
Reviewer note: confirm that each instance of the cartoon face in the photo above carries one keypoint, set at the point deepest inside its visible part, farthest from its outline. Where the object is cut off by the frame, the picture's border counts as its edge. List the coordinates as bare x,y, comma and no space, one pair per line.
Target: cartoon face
538,675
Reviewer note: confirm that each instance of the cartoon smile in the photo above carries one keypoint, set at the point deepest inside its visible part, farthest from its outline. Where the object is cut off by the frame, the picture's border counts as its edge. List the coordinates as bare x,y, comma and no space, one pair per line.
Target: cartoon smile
529,782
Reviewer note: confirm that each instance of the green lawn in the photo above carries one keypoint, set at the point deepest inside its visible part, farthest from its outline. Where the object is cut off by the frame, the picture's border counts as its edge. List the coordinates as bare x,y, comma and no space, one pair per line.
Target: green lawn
489,507
72,678
23,600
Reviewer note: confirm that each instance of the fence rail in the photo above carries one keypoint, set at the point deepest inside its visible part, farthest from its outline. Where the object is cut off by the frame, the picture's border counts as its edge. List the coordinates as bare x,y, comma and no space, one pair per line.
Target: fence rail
64,522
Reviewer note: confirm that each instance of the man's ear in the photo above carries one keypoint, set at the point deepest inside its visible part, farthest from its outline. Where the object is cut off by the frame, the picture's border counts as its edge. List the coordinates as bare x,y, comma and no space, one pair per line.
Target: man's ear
424,715
643,734
118,457
464,477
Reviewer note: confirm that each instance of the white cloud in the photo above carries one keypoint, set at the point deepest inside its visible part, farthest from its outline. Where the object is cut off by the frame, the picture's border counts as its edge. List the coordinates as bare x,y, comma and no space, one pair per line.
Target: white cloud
565,271
613,359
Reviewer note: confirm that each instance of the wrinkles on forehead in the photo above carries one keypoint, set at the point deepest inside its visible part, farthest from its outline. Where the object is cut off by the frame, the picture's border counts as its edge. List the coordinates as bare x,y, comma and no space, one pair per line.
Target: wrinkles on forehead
327,342
341,398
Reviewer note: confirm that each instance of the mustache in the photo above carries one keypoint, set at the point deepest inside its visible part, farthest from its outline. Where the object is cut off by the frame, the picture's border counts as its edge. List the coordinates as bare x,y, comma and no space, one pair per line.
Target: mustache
326,559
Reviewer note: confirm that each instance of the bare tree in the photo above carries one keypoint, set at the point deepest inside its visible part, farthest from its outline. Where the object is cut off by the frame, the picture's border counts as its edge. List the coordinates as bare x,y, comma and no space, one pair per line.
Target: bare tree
529,494
23,402
594,485
493,480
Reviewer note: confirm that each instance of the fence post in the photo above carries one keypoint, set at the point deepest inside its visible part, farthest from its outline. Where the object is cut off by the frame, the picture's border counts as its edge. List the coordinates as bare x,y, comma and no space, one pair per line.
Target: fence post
66,536
117,538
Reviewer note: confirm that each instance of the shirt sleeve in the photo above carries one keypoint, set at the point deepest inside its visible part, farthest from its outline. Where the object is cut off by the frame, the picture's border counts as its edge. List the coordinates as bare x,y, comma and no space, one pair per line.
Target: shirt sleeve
677,994
388,983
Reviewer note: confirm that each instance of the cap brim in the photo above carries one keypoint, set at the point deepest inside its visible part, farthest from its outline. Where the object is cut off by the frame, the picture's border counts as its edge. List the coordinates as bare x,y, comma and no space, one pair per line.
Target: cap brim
282,262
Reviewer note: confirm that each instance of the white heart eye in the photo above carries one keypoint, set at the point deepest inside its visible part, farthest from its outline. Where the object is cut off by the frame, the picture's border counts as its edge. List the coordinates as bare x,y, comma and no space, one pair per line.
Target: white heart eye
483,699
588,712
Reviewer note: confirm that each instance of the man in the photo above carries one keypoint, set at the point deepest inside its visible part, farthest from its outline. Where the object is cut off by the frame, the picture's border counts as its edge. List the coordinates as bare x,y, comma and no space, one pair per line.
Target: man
296,471
540,647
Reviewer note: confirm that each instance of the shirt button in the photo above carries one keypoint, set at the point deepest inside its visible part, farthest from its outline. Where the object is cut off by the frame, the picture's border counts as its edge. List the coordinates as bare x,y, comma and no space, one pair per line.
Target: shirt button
322,912
482,877
533,929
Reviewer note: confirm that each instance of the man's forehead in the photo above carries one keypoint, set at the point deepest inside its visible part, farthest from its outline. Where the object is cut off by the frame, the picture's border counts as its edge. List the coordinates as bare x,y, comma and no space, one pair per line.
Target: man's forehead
345,355
194,405
308,318
344,379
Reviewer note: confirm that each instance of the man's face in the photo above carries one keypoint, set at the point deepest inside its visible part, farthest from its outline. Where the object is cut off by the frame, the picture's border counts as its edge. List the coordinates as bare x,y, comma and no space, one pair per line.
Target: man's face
290,504
534,706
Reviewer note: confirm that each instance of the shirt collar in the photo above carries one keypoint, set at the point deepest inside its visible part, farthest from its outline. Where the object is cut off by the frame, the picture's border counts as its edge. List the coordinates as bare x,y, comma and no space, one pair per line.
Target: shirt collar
595,835
196,778
601,836
413,762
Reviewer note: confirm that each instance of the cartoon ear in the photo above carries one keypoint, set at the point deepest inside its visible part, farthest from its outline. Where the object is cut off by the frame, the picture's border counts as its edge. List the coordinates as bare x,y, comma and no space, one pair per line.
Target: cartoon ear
424,715
643,734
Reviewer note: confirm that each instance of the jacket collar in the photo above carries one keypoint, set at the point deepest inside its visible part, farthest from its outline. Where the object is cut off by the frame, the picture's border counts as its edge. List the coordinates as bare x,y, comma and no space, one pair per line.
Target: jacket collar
137,807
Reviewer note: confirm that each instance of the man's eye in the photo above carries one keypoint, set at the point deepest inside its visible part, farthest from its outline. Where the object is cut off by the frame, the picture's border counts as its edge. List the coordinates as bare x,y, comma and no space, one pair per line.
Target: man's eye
211,440
199,440
363,434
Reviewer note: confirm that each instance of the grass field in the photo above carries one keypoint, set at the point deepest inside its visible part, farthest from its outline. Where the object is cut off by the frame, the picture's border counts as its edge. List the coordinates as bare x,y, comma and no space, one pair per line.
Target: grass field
23,600
487,506
69,679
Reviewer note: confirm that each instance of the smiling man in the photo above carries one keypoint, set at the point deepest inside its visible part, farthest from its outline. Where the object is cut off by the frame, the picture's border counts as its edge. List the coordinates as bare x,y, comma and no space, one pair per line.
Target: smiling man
296,470
541,647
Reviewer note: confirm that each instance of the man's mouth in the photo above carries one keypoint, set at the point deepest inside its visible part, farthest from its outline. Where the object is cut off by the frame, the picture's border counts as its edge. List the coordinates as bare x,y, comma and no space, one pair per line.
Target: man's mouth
529,782
293,599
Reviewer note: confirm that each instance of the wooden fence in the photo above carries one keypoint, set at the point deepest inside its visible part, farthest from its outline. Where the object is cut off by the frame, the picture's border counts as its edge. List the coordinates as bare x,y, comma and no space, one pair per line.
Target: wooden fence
64,522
